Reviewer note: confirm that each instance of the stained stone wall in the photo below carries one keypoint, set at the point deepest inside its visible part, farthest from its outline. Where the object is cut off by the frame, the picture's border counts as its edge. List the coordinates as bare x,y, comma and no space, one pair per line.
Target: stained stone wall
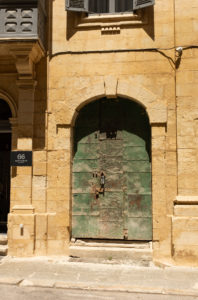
154,75
185,219
144,76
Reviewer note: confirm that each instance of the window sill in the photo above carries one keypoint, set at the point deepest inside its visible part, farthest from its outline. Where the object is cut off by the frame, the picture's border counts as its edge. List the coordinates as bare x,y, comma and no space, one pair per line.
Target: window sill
112,21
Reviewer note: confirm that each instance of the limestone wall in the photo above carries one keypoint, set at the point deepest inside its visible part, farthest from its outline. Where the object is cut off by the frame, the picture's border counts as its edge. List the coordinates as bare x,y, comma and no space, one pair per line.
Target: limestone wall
185,222
74,80
154,75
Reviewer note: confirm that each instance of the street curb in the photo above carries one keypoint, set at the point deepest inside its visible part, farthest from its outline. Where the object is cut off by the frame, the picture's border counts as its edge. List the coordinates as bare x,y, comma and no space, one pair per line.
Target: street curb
10,280
37,283
92,287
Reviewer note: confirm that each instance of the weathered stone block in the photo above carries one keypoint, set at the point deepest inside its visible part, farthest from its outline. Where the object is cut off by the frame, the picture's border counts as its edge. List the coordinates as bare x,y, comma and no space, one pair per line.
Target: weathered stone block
41,227
185,239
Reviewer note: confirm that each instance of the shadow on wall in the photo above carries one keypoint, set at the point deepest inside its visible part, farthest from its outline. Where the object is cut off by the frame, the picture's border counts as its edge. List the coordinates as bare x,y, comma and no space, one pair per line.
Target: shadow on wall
109,117
40,105
74,18
149,28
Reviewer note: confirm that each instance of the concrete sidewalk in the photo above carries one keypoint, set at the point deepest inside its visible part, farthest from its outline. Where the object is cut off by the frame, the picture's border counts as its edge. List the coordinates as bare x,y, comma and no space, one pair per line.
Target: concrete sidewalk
60,273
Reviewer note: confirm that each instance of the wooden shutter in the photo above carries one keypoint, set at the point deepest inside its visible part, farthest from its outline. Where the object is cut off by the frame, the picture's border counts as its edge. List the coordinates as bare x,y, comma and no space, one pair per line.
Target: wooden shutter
77,5
137,4
123,6
99,6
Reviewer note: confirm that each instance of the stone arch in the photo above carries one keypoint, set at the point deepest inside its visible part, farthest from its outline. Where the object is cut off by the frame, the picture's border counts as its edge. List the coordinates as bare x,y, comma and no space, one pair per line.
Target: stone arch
111,88
7,116
10,101
156,109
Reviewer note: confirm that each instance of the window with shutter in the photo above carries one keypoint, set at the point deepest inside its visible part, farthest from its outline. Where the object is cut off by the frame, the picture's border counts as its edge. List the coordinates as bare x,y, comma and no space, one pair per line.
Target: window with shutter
107,6
77,5
98,6
142,3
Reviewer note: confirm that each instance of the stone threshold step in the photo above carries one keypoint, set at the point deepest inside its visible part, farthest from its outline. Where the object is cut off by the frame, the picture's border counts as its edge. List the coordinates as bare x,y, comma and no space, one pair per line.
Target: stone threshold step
3,250
3,239
90,243
101,255
139,257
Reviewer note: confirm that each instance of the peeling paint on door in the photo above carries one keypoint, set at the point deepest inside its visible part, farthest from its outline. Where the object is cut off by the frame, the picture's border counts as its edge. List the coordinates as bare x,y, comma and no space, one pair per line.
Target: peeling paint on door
112,172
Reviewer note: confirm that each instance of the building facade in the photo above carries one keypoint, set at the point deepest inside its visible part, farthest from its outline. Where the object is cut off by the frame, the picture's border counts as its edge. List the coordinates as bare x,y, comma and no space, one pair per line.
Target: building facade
103,95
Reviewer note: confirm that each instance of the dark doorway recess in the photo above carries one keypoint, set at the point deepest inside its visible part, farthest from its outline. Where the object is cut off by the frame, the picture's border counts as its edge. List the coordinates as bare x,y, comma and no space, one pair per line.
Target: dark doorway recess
112,172
5,148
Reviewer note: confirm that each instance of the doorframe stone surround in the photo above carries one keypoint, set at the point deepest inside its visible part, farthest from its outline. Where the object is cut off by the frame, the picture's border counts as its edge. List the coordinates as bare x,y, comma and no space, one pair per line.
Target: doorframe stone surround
10,101
25,213
21,242
157,111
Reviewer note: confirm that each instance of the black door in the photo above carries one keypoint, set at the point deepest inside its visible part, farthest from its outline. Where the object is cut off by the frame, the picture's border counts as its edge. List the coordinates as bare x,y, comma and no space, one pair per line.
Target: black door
5,146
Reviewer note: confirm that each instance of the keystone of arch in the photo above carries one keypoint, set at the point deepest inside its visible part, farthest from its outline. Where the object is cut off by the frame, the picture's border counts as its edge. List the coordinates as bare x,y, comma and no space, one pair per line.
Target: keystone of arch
111,87
155,107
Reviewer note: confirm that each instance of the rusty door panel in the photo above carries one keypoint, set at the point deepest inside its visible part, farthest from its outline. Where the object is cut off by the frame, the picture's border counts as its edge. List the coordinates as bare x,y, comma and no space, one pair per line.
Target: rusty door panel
80,225
139,228
138,183
94,226
135,153
112,199
85,207
114,181
85,226
112,138
111,148
113,135
85,165
132,139
85,204
111,230
142,166
87,151
84,182
110,214
138,205
112,164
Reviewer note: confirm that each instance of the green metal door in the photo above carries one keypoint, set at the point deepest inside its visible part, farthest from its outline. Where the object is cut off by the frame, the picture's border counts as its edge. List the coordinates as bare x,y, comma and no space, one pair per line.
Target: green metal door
112,172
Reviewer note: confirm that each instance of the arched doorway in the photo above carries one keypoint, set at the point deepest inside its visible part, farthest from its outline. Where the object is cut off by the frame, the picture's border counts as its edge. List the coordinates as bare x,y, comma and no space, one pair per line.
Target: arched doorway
5,147
112,172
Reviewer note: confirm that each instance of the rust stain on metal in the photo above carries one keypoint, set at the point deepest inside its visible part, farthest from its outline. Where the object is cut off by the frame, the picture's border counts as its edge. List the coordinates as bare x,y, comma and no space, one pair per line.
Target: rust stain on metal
137,201
111,171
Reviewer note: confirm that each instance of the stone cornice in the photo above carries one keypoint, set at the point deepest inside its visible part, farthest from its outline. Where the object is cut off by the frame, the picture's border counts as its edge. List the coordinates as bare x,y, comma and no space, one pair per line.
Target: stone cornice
13,122
17,2
26,55
26,84
186,200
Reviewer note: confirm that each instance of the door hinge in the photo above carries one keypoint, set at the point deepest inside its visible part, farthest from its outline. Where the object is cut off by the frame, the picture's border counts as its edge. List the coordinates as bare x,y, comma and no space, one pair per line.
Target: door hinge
125,234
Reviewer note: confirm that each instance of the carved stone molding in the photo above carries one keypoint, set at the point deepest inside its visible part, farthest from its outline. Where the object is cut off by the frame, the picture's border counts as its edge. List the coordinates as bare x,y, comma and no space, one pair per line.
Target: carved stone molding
23,209
13,122
186,200
26,84
26,56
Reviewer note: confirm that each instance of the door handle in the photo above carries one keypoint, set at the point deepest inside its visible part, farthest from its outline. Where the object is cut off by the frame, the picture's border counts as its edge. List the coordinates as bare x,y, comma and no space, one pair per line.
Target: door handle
102,180
101,189
102,183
